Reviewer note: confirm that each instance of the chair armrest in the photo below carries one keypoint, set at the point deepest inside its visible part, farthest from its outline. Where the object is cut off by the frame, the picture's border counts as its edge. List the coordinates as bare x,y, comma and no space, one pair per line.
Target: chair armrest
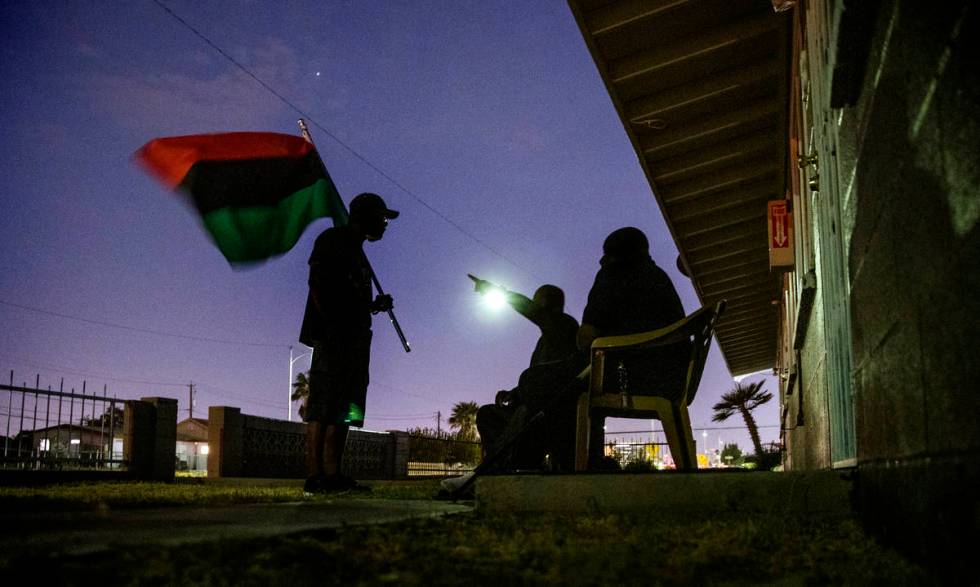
676,332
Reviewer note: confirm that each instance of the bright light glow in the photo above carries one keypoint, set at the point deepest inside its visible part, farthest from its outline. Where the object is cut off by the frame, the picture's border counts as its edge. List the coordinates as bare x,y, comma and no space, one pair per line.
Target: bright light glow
495,299
76,441
45,444
204,449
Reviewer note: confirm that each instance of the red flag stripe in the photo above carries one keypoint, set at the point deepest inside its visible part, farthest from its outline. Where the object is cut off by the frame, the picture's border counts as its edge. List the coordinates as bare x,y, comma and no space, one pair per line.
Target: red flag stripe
170,158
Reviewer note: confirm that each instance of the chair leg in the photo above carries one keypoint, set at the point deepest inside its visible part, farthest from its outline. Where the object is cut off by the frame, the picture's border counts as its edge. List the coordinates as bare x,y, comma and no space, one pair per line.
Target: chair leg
684,420
582,425
675,439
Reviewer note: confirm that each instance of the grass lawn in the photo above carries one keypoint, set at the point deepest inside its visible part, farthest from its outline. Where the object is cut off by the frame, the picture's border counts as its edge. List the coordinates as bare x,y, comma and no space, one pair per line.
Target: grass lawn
190,491
473,549
507,550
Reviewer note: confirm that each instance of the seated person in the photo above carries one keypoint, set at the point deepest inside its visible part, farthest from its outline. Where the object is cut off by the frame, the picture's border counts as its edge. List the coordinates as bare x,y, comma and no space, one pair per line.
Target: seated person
554,362
547,312
631,294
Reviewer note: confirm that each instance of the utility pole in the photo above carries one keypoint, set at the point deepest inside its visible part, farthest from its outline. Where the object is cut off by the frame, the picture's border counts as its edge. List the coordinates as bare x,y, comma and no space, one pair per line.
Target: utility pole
190,409
438,423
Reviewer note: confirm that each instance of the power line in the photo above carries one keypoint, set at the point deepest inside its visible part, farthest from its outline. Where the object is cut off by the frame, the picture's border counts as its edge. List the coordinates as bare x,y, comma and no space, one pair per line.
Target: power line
100,376
337,140
143,330
426,416
402,391
86,374
228,394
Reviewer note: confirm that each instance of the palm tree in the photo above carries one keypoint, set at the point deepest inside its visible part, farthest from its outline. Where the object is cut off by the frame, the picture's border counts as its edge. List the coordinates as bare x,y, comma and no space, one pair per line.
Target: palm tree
463,419
301,391
743,398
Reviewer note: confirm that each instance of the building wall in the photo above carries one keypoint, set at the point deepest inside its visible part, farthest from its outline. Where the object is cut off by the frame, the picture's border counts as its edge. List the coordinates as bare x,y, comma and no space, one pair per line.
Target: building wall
909,181
806,422
913,144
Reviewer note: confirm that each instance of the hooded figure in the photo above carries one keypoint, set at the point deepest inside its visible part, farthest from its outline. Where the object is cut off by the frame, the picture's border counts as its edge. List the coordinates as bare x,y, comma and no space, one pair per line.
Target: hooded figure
631,294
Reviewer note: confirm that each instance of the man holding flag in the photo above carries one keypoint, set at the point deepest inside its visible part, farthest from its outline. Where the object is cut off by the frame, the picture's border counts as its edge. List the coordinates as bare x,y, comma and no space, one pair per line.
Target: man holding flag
255,193
337,324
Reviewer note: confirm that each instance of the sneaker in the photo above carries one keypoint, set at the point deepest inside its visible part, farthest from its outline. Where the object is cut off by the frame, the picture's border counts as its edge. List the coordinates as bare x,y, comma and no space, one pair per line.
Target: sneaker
313,485
449,488
454,483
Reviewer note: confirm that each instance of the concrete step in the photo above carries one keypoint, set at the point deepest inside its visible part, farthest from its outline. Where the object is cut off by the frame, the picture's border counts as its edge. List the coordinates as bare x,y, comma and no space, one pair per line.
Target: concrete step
708,493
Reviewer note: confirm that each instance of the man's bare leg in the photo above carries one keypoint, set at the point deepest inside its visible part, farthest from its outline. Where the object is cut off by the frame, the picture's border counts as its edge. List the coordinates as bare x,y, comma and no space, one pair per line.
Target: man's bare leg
325,448
315,438
334,442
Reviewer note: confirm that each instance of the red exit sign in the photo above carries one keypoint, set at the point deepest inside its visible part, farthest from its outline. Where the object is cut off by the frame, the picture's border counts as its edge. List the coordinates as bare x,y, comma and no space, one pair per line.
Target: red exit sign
780,234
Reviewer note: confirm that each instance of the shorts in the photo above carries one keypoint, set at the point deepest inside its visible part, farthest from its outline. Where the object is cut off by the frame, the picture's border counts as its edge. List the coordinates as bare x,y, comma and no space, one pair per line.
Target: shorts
339,379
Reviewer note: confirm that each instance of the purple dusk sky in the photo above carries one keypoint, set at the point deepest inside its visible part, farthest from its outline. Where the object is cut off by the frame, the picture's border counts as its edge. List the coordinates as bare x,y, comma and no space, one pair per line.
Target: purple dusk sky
489,114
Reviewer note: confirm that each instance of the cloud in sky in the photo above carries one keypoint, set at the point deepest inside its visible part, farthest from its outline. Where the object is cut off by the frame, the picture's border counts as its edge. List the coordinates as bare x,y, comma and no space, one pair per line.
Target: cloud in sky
220,98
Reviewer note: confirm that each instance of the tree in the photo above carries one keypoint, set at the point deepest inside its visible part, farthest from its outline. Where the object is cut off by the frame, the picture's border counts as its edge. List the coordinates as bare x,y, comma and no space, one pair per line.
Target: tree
743,398
113,415
731,454
463,419
301,391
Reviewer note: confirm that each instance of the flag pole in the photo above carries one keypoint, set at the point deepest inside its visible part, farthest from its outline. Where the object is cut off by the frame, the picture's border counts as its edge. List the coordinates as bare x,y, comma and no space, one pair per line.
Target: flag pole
377,285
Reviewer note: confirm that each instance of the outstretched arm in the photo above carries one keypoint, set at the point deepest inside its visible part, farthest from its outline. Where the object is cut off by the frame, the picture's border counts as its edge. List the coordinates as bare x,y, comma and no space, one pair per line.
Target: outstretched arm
522,304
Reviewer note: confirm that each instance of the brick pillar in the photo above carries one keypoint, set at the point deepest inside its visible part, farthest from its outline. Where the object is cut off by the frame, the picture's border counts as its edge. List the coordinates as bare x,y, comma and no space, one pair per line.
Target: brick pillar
150,438
164,438
138,424
224,441
399,462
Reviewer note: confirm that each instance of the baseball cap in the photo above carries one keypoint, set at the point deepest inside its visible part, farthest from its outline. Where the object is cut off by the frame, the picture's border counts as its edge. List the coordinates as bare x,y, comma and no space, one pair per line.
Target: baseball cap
367,204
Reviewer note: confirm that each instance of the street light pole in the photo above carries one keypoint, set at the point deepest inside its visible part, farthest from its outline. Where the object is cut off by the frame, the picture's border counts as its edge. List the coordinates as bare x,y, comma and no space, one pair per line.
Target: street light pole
289,388
704,435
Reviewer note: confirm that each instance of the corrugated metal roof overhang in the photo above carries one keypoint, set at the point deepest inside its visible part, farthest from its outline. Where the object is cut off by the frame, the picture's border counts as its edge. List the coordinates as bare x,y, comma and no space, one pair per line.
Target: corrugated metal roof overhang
701,88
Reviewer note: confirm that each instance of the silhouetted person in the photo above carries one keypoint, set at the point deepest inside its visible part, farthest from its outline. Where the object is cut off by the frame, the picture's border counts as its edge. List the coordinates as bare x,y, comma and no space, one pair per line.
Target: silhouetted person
337,324
555,356
546,311
631,294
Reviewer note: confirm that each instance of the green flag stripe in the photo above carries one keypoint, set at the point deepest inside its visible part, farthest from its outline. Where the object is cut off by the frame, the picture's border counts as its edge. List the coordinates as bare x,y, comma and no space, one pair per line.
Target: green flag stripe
254,233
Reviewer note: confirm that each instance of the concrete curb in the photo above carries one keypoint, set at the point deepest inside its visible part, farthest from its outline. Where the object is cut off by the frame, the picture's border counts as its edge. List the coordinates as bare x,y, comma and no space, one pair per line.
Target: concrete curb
826,493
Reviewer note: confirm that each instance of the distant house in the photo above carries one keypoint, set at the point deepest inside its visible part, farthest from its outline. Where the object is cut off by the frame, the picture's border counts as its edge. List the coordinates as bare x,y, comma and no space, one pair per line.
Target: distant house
192,445
68,441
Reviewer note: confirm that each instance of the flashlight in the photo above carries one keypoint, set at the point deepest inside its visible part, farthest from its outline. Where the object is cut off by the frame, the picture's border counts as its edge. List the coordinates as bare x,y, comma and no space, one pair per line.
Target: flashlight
494,296
495,299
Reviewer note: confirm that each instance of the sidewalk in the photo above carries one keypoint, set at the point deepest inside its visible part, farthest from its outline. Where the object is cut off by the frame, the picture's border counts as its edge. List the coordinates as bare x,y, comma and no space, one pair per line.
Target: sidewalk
87,532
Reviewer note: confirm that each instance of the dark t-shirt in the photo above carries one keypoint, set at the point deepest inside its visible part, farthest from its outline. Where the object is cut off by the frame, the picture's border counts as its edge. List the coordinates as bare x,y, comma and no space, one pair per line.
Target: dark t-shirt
557,341
342,278
632,298
558,331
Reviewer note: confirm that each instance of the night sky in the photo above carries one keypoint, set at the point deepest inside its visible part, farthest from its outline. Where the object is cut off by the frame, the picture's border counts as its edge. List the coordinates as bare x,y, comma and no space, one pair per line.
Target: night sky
500,145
